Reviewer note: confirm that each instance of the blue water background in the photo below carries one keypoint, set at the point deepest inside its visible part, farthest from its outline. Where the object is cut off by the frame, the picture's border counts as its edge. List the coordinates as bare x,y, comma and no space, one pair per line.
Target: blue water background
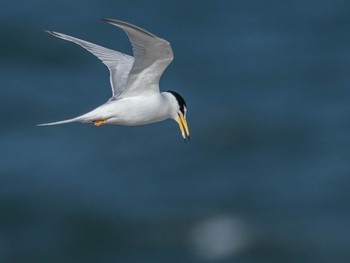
265,178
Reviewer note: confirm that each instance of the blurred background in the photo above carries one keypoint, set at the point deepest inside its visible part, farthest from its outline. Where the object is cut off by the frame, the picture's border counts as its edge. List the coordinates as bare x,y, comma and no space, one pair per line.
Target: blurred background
265,177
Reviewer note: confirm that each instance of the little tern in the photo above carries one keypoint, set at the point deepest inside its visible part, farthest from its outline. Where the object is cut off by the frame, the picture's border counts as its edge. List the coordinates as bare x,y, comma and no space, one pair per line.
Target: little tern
136,99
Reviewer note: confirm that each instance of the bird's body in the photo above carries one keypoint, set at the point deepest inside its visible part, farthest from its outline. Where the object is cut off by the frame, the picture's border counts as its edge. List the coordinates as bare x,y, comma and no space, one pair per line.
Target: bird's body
129,111
136,99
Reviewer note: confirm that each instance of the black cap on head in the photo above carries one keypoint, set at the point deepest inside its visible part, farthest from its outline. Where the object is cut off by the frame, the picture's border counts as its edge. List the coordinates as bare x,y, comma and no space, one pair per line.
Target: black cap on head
180,100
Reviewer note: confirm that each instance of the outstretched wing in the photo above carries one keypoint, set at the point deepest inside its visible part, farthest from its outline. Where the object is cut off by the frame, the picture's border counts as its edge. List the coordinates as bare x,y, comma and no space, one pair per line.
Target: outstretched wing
152,55
119,64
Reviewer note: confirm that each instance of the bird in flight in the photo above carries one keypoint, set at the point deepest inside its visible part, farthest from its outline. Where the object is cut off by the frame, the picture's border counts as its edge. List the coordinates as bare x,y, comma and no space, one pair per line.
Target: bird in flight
136,99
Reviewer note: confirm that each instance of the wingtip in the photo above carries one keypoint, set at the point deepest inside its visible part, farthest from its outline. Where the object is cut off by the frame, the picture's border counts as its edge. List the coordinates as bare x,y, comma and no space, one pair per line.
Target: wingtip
51,32
126,26
108,20
113,21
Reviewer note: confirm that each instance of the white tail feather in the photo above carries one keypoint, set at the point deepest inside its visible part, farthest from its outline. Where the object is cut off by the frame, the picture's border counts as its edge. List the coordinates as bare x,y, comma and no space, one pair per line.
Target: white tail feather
58,122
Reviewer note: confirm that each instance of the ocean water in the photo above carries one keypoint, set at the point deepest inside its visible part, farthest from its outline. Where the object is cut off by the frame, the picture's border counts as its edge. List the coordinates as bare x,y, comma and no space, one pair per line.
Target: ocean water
265,178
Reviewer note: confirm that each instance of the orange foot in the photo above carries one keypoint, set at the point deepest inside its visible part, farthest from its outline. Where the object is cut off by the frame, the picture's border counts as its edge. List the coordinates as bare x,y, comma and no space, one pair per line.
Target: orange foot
99,122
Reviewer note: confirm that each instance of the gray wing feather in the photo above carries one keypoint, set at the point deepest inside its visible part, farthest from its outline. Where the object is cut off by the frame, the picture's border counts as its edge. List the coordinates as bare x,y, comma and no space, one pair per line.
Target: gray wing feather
119,64
152,55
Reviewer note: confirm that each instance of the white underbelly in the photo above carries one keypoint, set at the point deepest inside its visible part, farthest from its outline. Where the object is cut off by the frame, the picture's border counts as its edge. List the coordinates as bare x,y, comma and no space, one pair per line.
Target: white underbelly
131,111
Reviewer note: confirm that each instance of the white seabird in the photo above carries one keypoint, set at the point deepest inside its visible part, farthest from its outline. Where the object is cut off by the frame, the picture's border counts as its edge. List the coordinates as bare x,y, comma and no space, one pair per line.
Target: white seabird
136,99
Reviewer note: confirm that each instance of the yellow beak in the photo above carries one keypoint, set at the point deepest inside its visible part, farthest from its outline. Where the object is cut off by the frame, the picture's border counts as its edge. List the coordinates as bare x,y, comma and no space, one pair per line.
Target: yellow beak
183,127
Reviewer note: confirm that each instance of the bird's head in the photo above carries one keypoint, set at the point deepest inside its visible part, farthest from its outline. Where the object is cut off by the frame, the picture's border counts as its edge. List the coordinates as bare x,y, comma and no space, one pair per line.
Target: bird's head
180,115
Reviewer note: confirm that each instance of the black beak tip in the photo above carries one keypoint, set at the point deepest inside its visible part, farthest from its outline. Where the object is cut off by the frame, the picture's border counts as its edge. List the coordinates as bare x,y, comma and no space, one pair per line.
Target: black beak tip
187,139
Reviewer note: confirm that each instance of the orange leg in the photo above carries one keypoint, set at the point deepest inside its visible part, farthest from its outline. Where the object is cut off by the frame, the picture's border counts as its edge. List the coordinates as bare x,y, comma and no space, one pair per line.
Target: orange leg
99,122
